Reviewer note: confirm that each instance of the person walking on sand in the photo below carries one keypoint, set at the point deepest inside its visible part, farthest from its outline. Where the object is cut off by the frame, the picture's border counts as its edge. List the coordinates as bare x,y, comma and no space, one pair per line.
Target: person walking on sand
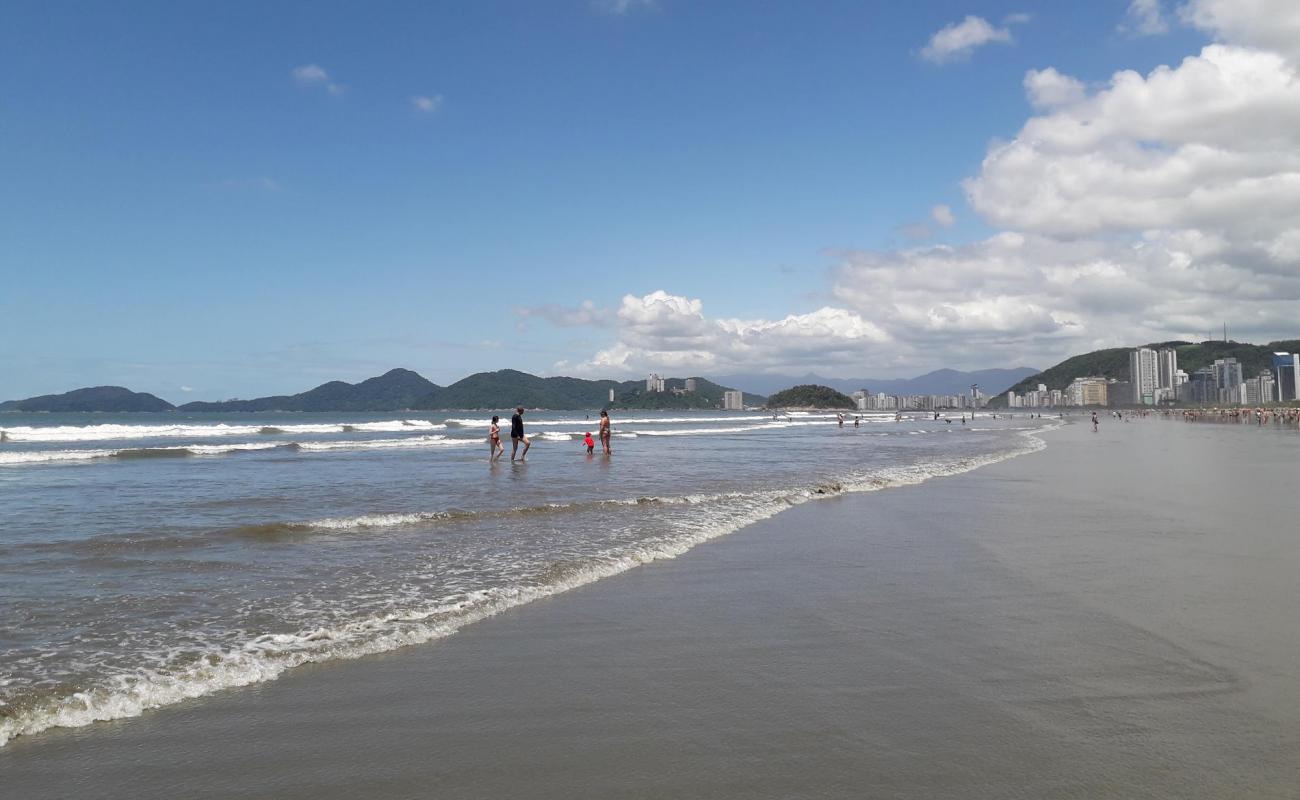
1094,422
604,432
495,446
517,435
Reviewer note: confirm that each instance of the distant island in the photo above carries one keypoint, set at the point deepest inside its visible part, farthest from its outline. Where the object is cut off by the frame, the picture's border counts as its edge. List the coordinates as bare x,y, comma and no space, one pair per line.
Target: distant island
406,390
810,395
94,398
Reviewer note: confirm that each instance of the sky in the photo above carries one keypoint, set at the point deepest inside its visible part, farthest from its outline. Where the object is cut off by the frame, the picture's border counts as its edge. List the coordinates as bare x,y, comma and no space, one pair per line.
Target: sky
213,200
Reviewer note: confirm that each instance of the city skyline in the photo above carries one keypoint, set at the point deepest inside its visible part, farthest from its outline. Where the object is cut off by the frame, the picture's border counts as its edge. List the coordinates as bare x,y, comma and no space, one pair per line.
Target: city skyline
259,198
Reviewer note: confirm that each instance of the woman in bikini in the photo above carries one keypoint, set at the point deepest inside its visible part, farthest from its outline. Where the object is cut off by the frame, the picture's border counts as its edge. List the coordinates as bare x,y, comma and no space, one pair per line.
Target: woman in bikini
494,439
604,431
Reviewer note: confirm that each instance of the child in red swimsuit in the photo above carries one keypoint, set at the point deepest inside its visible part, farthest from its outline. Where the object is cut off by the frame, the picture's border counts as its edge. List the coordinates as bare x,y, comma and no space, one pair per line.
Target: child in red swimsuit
591,445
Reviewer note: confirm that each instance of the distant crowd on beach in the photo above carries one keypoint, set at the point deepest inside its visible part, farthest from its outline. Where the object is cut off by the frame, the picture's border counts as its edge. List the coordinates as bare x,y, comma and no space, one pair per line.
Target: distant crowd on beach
1255,416
497,448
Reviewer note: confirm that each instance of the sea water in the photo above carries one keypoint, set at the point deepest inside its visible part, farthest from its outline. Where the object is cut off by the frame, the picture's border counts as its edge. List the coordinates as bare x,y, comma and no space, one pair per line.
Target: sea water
150,558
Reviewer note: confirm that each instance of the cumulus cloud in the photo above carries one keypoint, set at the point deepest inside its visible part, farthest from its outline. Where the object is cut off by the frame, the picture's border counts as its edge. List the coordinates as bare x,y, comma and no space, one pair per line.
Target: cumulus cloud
1047,88
1266,24
313,76
1144,18
942,214
1153,207
1212,144
1143,208
662,331
426,104
957,41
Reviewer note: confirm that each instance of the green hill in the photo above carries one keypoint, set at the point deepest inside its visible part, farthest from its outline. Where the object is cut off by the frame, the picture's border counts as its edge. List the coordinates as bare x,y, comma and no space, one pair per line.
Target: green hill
507,388
707,395
395,390
1113,362
94,398
810,395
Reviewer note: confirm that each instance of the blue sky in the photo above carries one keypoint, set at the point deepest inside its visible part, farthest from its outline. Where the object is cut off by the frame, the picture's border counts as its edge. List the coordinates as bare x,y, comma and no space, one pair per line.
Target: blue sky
212,200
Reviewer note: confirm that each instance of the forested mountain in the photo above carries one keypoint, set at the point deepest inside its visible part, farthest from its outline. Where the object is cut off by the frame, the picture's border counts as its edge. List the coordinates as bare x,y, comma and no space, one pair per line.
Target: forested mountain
1113,362
507,388
394,390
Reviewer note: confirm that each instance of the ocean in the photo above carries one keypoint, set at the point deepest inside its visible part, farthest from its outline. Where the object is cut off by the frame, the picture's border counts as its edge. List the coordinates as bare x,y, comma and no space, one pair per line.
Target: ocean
146,559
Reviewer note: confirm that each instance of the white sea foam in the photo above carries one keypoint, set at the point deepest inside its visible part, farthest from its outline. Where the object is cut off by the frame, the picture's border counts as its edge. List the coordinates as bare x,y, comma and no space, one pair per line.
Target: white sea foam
267,657
435,440
54,456
767,426
48,456
594,420
93,433
558,436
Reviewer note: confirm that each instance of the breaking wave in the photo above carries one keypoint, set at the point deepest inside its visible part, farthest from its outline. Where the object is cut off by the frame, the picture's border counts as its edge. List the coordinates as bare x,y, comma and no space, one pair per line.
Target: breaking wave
93,433
267,656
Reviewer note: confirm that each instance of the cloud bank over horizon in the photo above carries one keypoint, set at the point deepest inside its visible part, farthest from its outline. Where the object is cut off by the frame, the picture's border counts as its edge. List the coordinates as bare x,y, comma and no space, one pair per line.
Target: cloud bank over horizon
1147,208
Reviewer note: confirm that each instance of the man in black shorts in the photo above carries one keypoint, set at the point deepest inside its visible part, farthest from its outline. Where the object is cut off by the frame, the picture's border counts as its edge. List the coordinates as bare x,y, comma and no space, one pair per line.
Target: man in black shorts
517,434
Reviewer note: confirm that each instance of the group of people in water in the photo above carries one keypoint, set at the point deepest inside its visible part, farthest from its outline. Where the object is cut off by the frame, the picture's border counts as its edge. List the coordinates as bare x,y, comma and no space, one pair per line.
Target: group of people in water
497,448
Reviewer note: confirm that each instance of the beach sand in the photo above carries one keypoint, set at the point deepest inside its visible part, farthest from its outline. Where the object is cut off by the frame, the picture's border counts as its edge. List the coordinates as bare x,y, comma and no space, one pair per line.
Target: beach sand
1115,616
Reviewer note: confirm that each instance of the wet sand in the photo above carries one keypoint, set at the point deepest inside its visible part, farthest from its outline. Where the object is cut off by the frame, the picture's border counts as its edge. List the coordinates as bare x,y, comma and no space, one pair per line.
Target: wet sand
1115,616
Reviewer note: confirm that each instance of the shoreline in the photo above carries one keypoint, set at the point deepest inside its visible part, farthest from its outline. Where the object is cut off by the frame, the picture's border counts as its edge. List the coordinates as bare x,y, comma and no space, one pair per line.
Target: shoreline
855,634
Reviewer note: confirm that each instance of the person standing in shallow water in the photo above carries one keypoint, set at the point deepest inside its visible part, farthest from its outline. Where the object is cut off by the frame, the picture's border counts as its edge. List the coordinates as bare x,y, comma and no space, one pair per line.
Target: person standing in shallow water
604,432
494,439
517,435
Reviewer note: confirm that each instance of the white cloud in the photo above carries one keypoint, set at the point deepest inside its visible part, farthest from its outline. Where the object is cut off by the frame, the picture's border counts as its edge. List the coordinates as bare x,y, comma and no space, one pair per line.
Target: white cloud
1144,18
958,40
942,214
426,104
1047,88
1211,144
314,75
1145,208
187,389
1267,24
662,331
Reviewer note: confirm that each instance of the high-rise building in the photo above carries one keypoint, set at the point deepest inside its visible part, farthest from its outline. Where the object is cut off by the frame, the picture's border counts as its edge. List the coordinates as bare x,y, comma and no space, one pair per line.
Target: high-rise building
1143,371
1203,386
654,383
1086,392
611,395
1167,369
1258,390
690,384
1267,387
1228,379
733,401
1286,368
